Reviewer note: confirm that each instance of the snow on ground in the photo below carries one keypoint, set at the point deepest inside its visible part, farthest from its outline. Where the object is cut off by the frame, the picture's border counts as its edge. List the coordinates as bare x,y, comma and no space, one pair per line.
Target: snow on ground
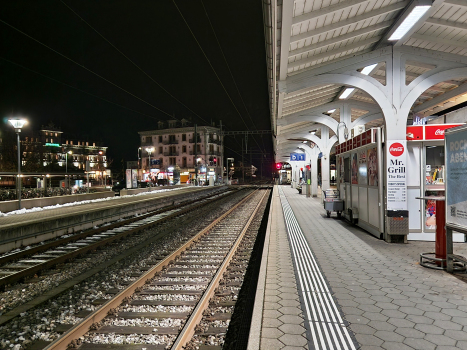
24,211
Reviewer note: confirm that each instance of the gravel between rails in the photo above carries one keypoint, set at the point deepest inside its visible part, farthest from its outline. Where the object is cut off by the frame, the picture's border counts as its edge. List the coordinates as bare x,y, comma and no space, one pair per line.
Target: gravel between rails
216,321
223,234
41,323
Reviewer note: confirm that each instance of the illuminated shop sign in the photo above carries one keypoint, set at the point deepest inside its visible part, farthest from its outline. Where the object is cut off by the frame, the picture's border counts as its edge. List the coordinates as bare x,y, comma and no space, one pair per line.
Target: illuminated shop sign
428,132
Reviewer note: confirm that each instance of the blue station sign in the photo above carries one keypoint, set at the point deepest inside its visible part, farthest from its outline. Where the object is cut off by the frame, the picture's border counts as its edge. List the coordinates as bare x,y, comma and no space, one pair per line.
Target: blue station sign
297,157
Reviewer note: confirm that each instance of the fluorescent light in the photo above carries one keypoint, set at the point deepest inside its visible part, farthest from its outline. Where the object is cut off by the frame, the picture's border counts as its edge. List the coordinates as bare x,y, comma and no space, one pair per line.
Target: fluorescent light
409,22
332,110
368,69
346,93
304,141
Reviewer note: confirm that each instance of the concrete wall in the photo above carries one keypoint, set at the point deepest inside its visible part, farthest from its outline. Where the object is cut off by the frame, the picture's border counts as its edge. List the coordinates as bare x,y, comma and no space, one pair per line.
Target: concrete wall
125,192
8,206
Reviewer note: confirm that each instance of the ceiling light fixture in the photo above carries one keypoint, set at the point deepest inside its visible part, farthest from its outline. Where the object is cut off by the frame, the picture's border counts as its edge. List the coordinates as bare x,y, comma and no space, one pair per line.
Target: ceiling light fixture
368,69
346,93
413,17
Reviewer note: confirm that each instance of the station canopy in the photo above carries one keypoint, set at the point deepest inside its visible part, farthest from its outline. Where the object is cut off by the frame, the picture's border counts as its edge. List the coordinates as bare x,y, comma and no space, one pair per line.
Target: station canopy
306,39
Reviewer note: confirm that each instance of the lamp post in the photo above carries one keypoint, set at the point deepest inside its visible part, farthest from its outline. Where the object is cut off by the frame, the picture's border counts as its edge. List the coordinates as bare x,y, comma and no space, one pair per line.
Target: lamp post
140,175
149,150
198,160
99,163
66,168
18,125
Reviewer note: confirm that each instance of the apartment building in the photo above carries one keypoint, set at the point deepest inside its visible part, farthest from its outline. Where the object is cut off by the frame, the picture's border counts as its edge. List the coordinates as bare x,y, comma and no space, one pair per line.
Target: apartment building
174,146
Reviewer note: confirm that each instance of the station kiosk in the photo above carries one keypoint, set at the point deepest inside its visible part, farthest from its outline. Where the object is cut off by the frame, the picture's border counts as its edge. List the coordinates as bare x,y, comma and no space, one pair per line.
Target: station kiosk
362,168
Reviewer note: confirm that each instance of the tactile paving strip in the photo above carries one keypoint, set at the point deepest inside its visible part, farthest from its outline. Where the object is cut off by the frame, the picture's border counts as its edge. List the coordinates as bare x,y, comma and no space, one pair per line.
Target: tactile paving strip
327,327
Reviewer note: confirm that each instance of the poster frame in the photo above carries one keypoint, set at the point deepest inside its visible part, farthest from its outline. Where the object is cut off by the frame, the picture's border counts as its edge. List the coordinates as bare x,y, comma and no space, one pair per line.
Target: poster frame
450,225
128,178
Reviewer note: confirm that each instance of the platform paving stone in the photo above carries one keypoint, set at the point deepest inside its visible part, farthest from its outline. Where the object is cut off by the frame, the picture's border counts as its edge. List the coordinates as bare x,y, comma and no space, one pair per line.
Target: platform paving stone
388,299
282,324
419,344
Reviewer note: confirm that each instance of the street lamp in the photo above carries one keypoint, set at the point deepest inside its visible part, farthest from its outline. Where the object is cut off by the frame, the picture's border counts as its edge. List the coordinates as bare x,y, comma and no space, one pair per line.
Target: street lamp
66,168
18,125
198,160
149,150
99,163
139,164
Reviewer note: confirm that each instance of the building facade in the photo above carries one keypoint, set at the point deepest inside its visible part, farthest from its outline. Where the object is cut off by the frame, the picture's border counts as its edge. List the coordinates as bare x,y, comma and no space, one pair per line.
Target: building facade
174,147
48,150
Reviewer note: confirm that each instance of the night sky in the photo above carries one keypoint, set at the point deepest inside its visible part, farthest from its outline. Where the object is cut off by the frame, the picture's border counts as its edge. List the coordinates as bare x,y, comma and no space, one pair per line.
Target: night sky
104,70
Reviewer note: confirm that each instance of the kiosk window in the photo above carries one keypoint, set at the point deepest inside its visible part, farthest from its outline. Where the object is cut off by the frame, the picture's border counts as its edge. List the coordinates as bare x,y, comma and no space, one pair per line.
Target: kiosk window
346,169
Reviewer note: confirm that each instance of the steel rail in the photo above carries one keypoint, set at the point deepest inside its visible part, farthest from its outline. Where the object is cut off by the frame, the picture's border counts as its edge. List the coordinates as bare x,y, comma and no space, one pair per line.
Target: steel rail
41,248
82,328
15,277
189,328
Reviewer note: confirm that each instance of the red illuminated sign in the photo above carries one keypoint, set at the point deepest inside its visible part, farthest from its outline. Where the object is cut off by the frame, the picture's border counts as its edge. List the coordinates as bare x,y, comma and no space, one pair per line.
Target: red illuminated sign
415,132
436,132
428,132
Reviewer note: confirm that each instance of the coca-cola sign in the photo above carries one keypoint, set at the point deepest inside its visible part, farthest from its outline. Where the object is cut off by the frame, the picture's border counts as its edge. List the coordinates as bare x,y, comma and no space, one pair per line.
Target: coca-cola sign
396,171
396,149
436,132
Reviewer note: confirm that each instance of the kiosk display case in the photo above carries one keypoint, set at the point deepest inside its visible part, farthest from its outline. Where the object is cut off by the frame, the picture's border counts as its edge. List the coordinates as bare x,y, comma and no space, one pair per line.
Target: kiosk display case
359,176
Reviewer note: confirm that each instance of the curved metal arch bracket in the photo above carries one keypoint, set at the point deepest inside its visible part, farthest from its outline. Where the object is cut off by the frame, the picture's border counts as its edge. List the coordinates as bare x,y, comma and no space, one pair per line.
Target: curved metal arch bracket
365,83
319,118
418,89
366,118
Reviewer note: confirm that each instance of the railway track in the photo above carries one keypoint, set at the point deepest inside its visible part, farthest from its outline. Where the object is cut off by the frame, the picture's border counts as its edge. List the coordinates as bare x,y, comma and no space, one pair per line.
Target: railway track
18,266
178,302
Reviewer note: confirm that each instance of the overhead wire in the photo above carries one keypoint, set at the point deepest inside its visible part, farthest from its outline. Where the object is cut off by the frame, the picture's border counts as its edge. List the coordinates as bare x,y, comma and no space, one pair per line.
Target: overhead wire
84,67
209,62
110,82
132,62
75,88
140,69
87,93
231,74
227,64
212,67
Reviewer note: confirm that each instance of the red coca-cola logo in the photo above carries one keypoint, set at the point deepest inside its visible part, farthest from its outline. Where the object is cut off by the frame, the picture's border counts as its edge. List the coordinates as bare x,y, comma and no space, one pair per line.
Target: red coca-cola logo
396,149
439,132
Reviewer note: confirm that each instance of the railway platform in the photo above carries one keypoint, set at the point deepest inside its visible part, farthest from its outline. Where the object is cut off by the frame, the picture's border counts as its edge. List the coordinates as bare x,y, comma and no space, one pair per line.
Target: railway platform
325,284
